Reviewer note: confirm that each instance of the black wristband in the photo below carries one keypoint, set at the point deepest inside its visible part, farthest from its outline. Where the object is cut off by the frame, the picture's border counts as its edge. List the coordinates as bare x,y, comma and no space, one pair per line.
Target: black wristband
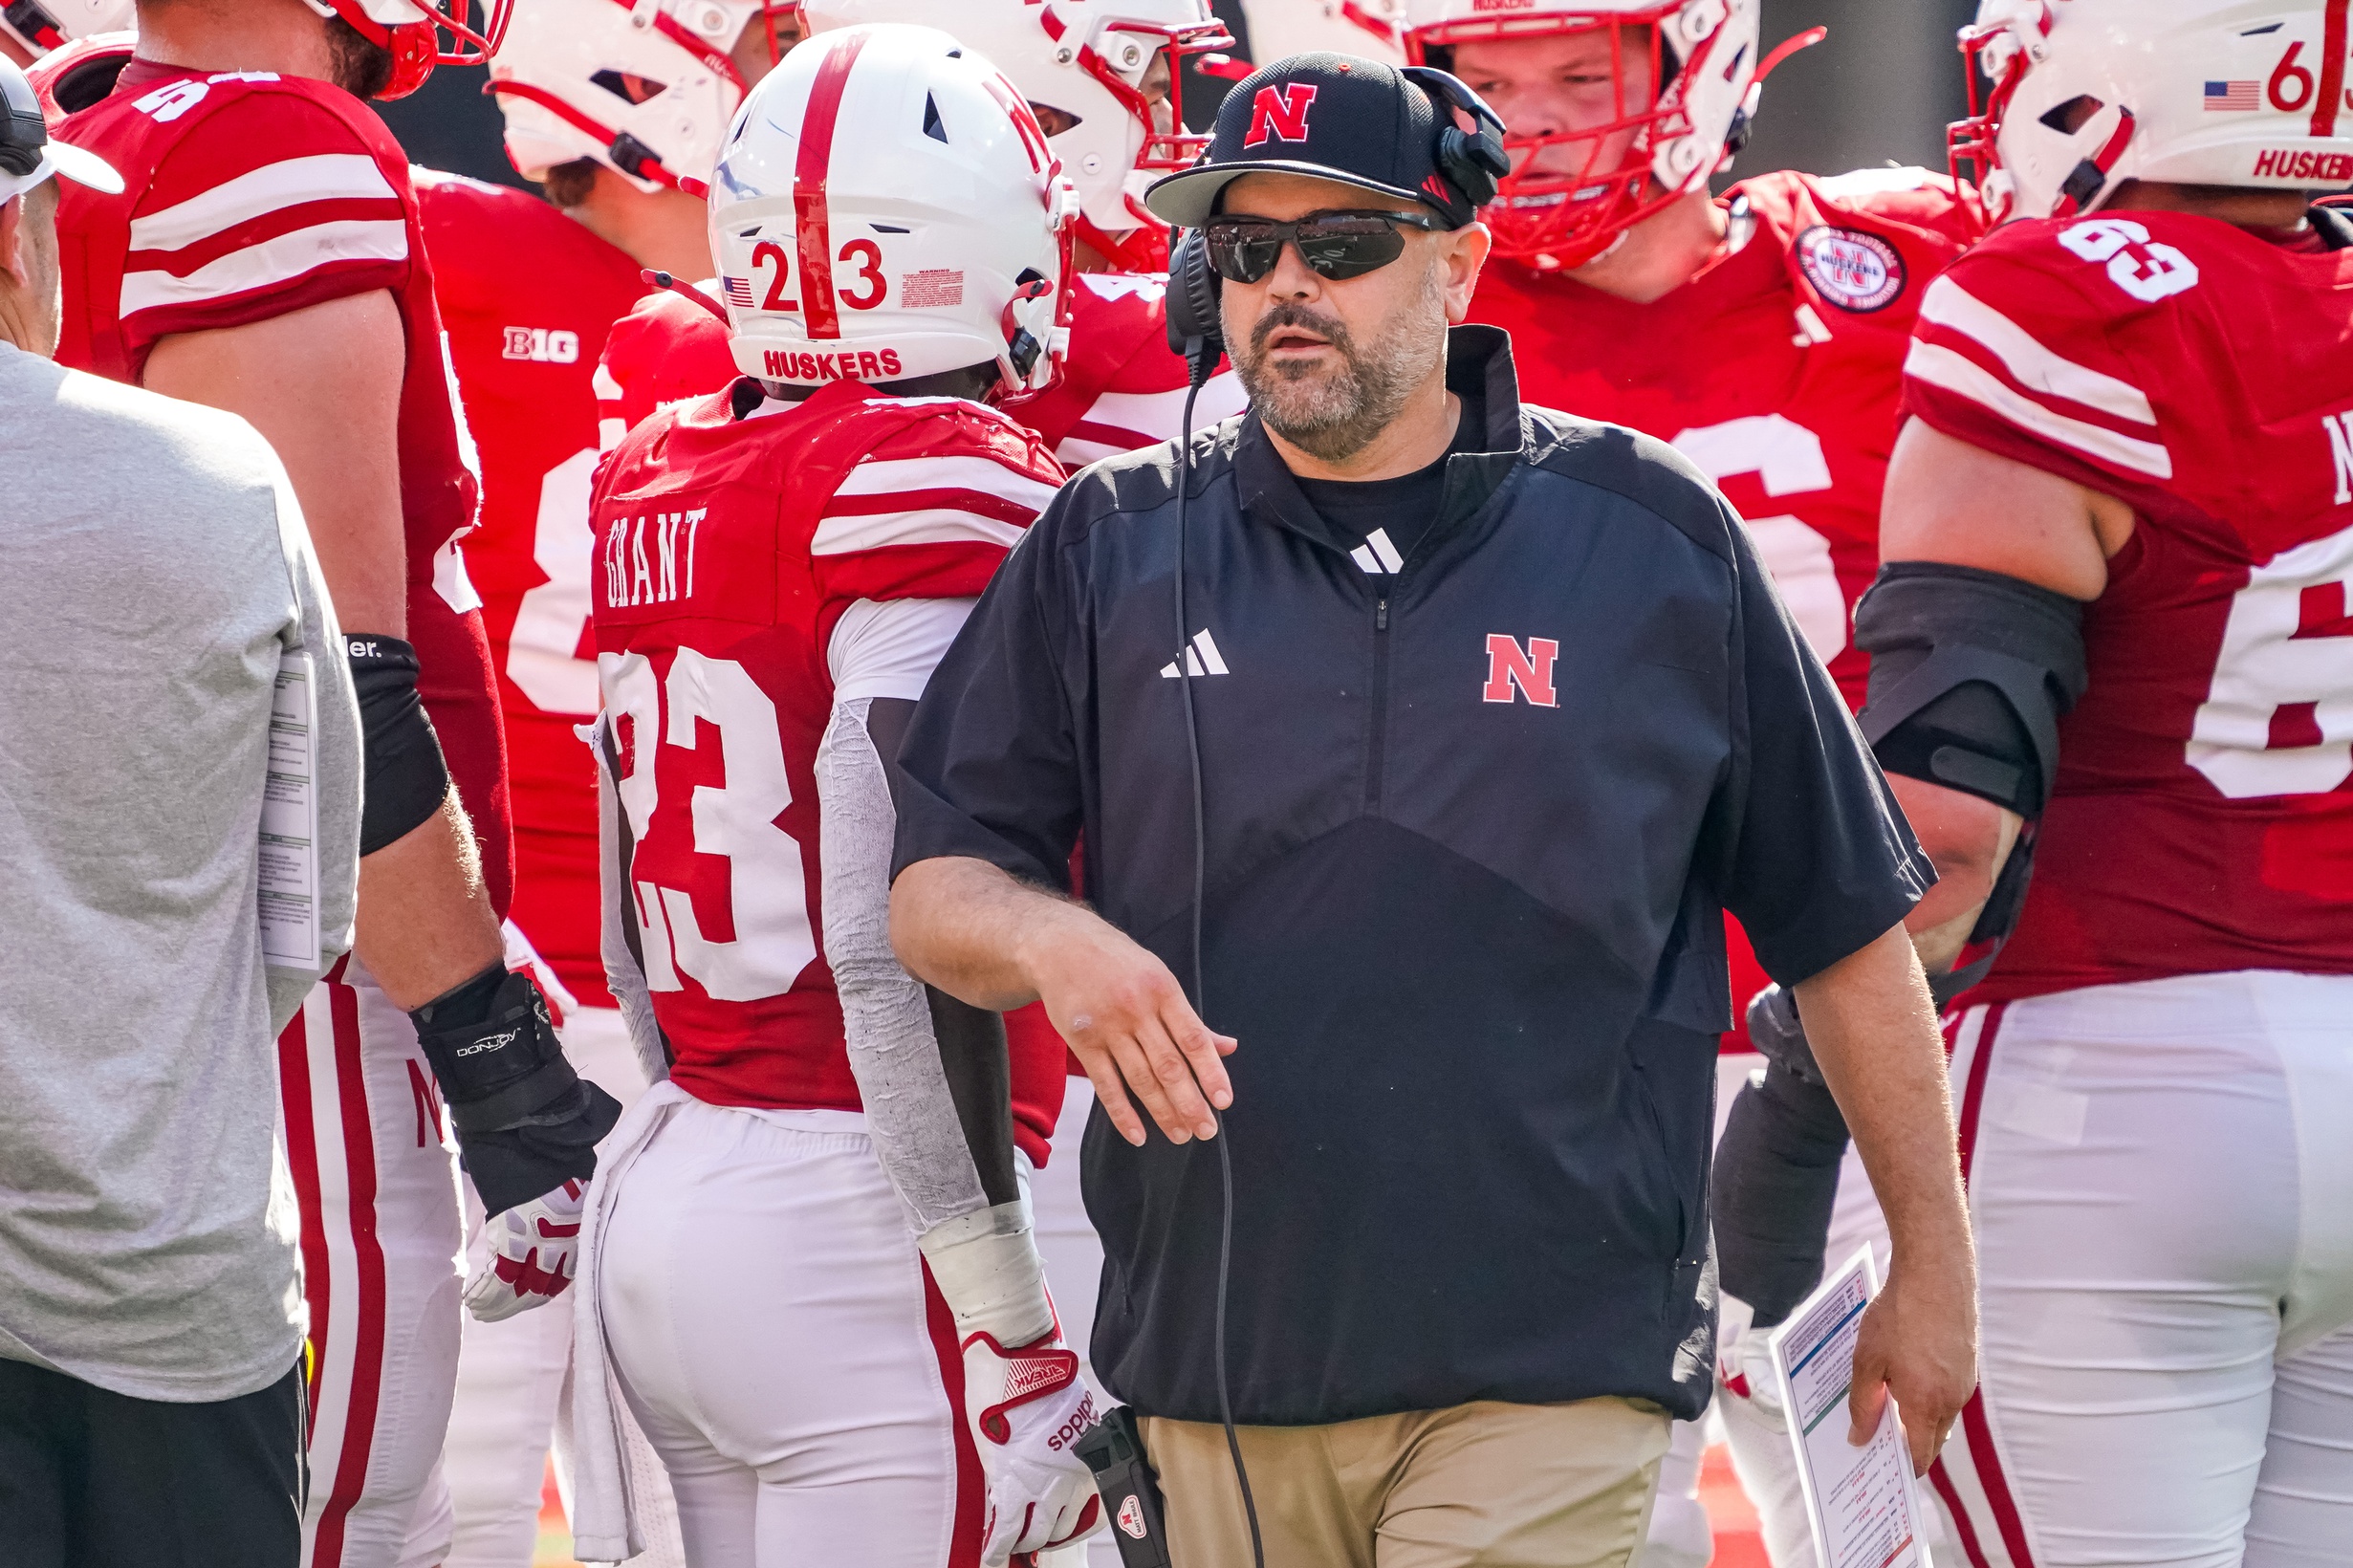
408,778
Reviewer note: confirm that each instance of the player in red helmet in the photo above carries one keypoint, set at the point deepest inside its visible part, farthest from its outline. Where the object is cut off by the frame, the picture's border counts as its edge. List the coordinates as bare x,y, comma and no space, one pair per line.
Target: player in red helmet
1763,334
268,258
2112,678
831,1371
613,109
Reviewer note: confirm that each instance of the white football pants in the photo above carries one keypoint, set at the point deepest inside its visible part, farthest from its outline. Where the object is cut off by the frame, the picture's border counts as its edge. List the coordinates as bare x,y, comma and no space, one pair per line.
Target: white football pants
514,1376
376,1182
774,1331
2161,1180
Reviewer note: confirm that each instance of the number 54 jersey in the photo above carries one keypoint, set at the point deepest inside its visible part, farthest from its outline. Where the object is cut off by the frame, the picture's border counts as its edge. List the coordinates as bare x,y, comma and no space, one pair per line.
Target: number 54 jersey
2203,816
732,534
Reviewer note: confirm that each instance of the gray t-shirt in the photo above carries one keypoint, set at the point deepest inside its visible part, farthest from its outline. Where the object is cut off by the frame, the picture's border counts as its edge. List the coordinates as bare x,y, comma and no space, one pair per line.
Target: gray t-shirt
157,568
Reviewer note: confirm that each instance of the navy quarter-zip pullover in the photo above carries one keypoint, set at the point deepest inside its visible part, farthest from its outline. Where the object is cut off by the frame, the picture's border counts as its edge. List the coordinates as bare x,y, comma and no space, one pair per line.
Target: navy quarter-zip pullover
1471,826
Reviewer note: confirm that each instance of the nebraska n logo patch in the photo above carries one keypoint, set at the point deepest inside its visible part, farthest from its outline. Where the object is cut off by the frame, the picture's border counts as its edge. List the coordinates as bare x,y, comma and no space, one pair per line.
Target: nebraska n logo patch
1529,670
1280,115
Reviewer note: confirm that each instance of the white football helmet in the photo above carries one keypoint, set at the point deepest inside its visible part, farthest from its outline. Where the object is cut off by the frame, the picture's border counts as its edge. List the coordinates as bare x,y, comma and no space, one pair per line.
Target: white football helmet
885,207
1088,58
644,87
1280,29
2079,97
1702,57
40,26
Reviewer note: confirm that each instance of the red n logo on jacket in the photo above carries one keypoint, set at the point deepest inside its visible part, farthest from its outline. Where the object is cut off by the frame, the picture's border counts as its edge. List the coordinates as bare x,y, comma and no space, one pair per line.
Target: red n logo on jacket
1532,671
1282,116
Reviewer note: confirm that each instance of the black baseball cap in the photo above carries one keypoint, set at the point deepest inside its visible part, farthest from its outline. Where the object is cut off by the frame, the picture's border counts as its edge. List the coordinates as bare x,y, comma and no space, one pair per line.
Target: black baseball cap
1331,116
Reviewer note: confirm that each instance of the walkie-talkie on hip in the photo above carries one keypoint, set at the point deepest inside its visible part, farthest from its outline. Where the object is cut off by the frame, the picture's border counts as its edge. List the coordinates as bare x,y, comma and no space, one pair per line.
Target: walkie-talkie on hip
1114,1451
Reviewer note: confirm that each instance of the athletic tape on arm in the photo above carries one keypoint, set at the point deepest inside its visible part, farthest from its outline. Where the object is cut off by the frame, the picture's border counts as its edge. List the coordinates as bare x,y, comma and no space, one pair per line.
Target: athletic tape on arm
624,976
893,1051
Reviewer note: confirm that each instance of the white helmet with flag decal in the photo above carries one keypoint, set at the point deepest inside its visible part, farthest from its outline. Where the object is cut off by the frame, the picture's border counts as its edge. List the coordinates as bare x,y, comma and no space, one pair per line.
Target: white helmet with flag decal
1684,83
40,26
644,87
2067,100
886,208
1094,69
1280,29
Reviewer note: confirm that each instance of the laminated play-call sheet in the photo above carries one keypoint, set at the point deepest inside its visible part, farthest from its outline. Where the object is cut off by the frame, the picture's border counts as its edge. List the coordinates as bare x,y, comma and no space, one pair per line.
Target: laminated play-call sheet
1863,1507
290,821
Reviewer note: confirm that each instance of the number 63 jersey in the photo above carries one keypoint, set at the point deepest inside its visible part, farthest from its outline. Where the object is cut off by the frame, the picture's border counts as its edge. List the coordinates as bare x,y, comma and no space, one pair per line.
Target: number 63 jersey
732,534
2203,818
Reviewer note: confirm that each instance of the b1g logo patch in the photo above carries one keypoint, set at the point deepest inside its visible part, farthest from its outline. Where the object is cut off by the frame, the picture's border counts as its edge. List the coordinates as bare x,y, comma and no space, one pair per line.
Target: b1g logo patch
1854,271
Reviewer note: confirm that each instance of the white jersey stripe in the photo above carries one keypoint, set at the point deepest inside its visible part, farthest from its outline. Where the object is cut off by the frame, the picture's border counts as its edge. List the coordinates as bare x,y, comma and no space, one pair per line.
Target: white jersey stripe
323,177
2036,369
929,525
1941,366
1160,415
272,261
886,476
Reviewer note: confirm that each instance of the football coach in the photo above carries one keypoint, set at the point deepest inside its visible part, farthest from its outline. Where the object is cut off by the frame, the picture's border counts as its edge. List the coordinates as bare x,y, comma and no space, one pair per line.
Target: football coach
1497,712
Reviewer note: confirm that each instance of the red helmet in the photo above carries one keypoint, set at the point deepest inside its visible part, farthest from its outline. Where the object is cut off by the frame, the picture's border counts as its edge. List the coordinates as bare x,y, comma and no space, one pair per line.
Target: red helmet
412,31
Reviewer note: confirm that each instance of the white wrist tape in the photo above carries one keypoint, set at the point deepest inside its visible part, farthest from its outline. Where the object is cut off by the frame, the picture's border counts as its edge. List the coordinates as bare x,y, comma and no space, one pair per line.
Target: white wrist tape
990,1274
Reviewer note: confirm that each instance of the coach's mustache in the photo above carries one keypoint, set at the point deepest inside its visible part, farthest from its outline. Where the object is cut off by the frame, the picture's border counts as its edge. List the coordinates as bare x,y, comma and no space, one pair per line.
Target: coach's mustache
1290,313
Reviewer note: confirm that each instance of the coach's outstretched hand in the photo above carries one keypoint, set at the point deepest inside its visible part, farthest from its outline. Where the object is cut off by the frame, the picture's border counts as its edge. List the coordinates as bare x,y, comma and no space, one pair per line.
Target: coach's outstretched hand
965,926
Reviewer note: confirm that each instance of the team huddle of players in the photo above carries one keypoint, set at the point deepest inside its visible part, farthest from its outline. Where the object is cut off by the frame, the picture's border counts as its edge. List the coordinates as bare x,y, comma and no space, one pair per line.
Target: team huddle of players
673,562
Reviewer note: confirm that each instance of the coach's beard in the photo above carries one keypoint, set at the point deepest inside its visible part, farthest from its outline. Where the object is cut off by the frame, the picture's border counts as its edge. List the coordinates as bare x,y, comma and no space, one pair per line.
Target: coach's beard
1334,415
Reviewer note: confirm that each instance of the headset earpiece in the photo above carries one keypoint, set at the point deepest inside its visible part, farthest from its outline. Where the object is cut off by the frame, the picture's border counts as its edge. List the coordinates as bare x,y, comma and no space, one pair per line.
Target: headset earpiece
23,134
1473,162
1194,328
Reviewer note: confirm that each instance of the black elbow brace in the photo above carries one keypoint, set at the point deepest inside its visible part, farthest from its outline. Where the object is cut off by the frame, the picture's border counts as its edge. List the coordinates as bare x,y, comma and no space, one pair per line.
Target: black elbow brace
526,1123
1970,673
1776,1170
406,777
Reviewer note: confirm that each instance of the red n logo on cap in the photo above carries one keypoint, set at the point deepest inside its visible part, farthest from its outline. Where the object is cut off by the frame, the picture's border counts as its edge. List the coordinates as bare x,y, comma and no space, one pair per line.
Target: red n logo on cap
1281,115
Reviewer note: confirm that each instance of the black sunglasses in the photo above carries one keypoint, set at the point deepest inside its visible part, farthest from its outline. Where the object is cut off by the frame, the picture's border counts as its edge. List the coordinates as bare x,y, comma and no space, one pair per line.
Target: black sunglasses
1338,246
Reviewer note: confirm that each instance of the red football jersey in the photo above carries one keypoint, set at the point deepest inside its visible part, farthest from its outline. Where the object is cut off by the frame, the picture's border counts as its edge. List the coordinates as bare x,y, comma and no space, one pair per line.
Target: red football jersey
1776,371
725,551
1121,387
525,358
249,195
2202,820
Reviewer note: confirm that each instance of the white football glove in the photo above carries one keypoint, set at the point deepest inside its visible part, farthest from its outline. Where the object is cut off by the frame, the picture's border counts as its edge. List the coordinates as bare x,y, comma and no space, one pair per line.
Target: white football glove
531,1249
1028,1407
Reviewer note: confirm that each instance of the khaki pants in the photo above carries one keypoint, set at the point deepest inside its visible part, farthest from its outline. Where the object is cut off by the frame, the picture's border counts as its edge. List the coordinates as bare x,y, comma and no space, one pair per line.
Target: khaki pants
1484,1484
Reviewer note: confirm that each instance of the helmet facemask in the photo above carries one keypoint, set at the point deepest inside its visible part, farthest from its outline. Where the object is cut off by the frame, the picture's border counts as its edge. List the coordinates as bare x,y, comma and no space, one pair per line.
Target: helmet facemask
1682,77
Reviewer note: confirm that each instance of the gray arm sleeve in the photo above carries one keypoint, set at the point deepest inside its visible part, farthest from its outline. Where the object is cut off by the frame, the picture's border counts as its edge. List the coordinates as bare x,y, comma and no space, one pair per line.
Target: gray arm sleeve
893,1053
622,975
335,757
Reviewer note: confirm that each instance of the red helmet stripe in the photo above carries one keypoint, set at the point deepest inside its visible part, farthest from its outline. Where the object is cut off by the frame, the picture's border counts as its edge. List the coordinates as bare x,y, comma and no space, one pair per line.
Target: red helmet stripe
2331,97
811,226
